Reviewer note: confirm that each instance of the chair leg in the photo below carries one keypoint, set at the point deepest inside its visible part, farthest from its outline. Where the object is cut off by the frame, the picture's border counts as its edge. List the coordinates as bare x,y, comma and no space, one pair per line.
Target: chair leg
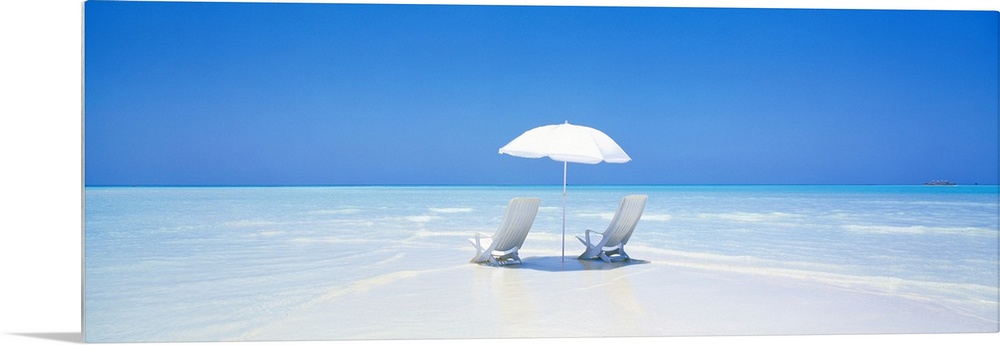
605,257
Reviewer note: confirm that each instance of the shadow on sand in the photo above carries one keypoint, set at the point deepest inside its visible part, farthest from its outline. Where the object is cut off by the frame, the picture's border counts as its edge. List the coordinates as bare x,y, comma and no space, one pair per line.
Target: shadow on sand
69,337
556,264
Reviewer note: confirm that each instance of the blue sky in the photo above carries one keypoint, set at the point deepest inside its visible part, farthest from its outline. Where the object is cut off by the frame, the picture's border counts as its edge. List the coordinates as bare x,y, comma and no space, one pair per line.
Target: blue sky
286,94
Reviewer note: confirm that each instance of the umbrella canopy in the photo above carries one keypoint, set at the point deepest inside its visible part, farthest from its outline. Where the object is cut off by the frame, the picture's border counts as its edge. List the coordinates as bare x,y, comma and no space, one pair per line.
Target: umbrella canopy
566,143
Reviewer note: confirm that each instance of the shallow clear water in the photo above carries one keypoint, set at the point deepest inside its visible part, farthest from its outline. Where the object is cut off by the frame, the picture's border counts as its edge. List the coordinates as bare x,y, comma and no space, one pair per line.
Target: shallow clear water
209,263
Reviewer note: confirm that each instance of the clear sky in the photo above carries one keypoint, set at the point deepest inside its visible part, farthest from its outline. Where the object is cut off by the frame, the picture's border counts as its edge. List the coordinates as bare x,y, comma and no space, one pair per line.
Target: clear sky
287,94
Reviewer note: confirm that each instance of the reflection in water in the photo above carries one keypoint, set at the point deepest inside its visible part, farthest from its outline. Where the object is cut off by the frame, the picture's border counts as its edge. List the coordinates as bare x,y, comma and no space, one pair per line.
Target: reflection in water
593,295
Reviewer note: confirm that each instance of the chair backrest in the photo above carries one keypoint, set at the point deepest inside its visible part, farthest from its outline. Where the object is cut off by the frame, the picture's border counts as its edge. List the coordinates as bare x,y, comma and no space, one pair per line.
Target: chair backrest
627,216
516,223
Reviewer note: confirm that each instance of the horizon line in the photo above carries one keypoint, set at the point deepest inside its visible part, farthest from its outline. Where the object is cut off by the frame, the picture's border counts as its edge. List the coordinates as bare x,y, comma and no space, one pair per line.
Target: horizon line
520,185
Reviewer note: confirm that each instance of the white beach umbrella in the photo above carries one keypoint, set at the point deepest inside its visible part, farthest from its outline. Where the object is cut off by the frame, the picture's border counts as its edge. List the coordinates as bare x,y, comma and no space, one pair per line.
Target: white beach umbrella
566,143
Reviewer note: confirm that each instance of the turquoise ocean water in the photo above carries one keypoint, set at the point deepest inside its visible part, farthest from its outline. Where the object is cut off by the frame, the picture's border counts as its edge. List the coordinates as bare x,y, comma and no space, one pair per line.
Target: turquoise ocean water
199,263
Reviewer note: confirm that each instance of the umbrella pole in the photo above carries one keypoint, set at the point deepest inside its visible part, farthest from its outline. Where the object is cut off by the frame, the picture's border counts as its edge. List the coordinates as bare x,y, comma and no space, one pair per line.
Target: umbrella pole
564,215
